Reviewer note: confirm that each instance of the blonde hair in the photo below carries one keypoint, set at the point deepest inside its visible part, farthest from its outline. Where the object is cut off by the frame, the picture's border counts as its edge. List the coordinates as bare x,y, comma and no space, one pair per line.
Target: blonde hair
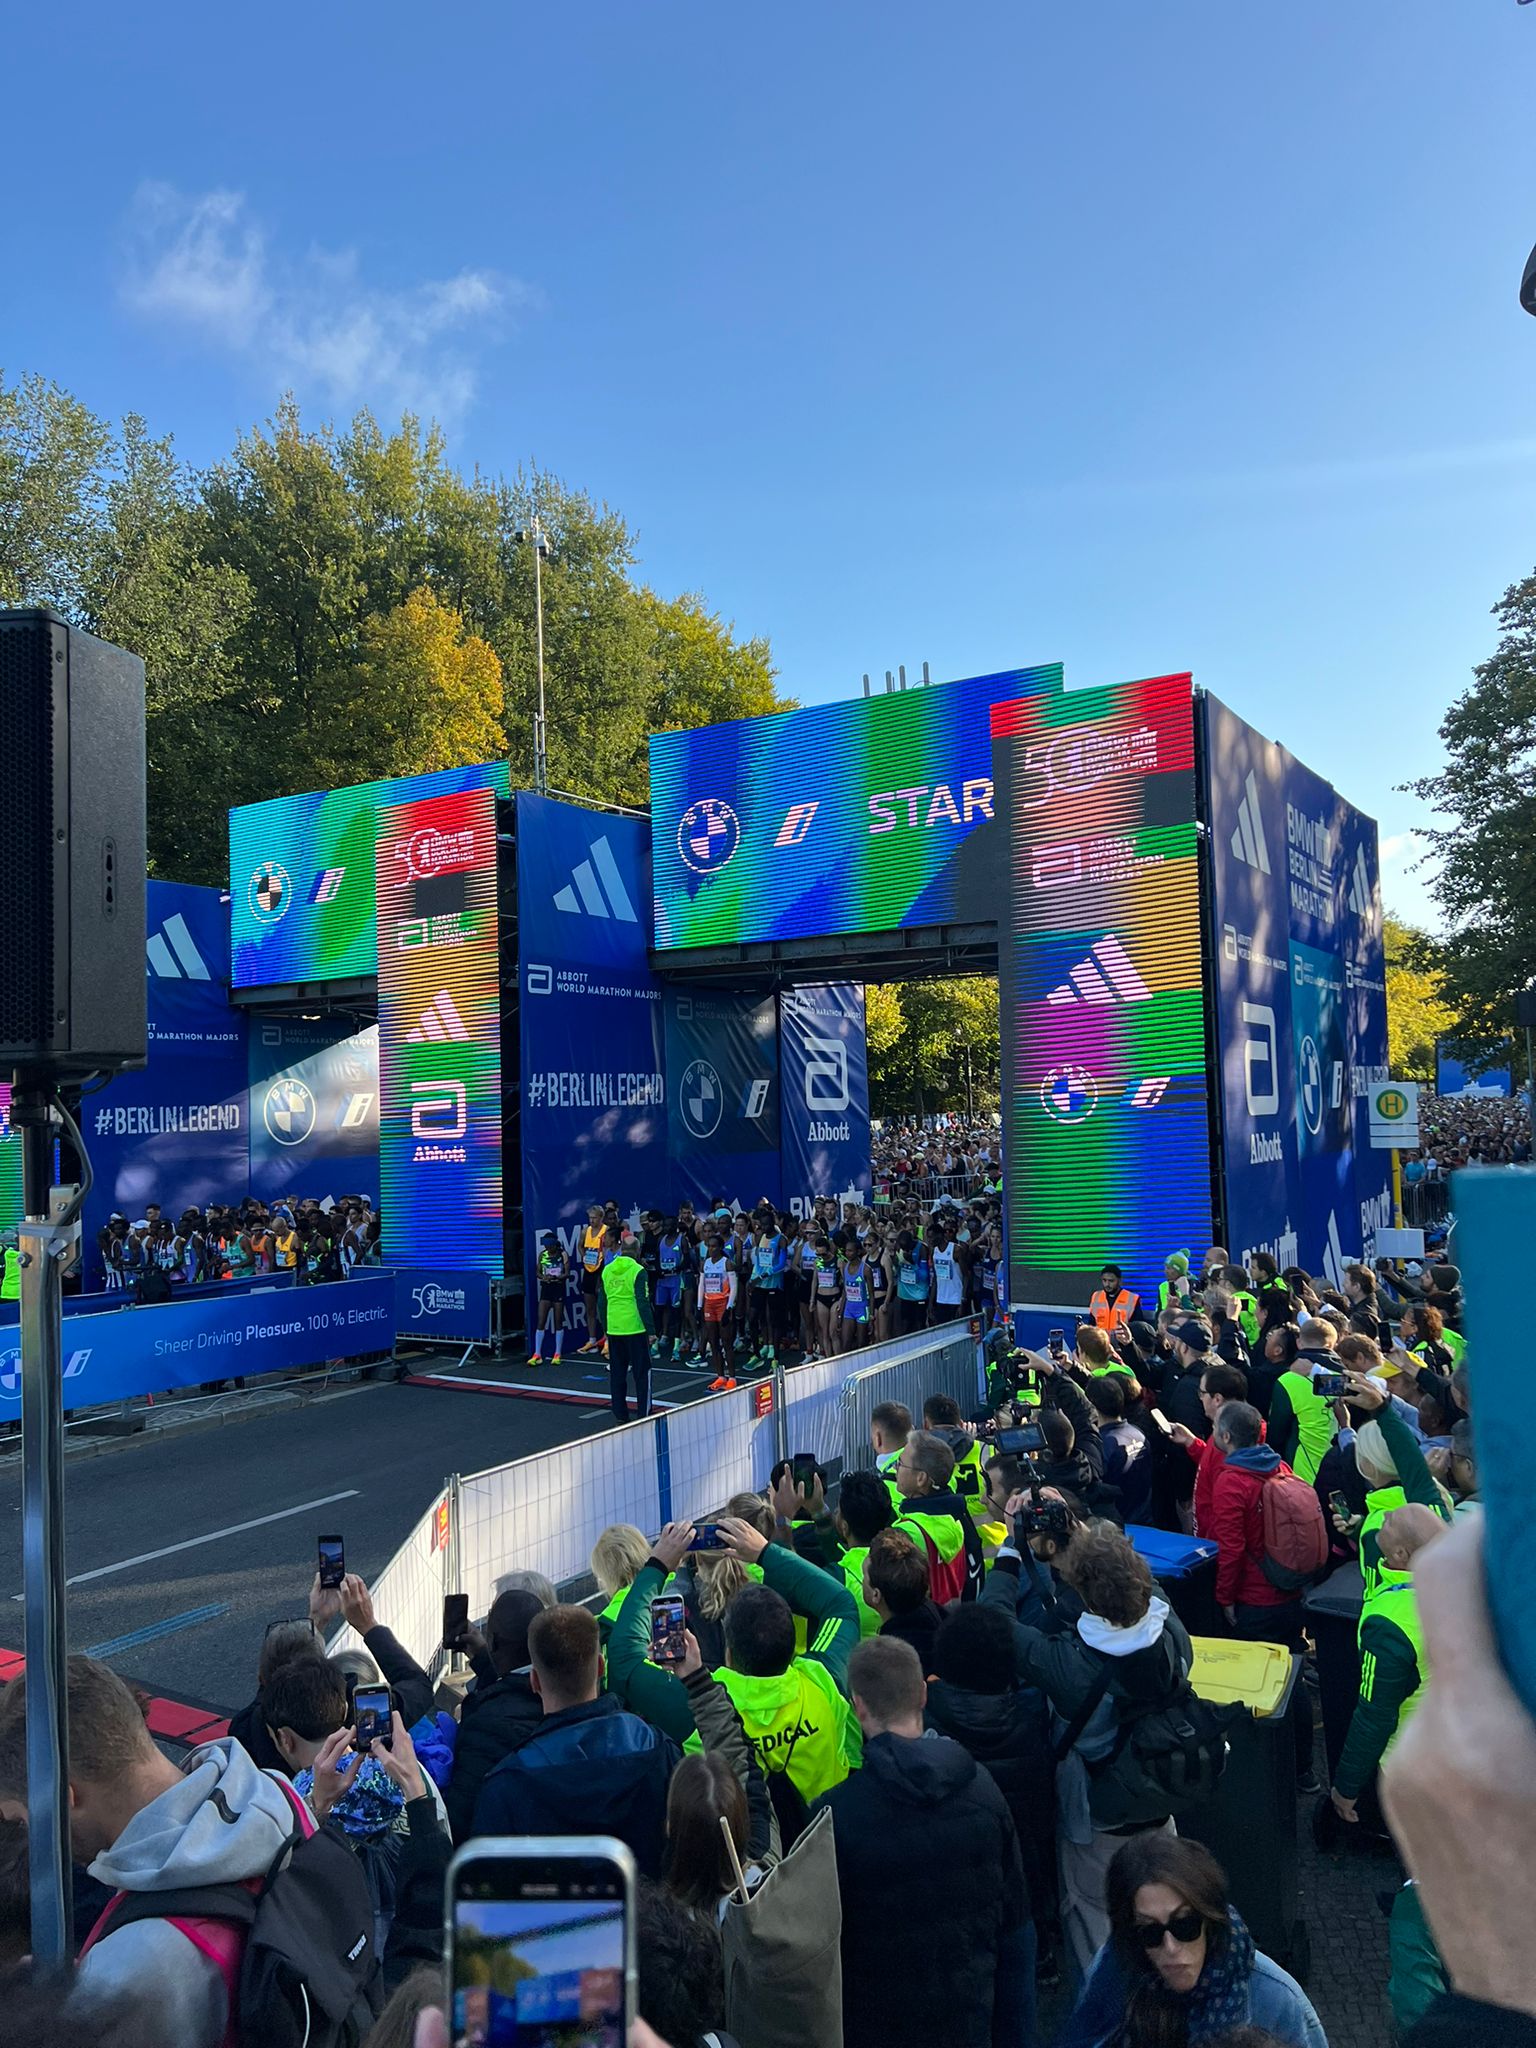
720,1576
617,1556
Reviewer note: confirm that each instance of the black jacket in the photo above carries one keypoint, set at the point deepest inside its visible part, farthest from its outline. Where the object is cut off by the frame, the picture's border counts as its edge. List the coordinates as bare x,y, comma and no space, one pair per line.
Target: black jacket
496,1719
591,1769
924,1843
1009,1734
919,1628
412,1688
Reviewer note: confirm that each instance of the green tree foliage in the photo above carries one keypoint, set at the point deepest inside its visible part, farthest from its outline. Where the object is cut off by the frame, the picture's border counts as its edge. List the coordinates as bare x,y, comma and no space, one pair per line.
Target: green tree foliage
933,1045
326,605
1417,1013
1487,852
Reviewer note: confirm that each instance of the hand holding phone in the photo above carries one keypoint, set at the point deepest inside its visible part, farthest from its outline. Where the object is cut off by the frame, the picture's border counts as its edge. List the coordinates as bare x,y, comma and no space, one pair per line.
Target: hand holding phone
513,1901
333,1562
1056,1342
372,1716
669,1629
707,1537
1161,1420
455,1619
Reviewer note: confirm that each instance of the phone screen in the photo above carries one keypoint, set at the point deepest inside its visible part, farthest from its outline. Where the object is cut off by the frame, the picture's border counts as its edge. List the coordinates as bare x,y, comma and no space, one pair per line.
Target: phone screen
540,1944
707,1537
1056,1340
669,1623
803,1467
372,1715
1340,1506
1162,1421
333,1561
455,1616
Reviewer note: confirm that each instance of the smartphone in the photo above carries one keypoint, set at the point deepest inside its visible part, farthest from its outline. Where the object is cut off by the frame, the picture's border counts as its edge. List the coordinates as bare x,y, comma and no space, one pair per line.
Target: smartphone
540,1941
1329,1386
803,1468
1340,1506
455,1617
1056,1341
669,1624
372,1714
1021,1443
707,1537
333,1561
1161,1420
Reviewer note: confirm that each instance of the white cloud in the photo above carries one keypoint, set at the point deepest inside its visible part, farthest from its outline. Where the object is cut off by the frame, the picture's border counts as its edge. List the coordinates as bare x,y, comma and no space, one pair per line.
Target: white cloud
1397,844
200,263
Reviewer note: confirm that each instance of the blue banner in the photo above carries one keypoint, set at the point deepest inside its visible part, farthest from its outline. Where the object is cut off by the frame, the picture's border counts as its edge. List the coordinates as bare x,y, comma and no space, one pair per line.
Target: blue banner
314,1093
113,1357
176,1131
453,1307
722,1097
1301,1002
824,1094
1452,1078
594,1117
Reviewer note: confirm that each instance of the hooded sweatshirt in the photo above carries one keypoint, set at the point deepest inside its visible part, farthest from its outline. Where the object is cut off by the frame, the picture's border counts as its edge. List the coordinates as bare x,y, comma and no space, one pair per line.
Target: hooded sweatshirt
222,1823
924,1841
1237,1526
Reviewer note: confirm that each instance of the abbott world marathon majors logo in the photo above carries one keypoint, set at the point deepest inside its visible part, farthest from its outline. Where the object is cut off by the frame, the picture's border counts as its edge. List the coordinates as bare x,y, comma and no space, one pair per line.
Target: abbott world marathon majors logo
708,835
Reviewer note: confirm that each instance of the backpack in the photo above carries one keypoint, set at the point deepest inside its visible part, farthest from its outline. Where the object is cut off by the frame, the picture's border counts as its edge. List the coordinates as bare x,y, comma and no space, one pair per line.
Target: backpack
1295,1534
295,1948
1167,1754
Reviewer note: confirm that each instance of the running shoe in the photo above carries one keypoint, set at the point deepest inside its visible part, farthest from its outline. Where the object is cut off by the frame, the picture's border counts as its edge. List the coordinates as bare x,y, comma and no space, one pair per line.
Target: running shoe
537,1358
722,1386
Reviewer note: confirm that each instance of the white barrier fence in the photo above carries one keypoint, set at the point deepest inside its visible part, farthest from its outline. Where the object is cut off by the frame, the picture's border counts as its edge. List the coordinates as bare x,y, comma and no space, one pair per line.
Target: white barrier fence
544,1513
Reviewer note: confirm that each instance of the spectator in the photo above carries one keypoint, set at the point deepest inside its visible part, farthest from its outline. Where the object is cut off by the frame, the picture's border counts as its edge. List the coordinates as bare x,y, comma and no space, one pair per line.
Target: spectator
142,1826
501,1710
682,1969
1392,1666
896,1589
386,1660
1179,1964
282,1641
1127,1456
890,1424
924,1809
1219,1384
935,1517
1302,1423
590,1768
616,1556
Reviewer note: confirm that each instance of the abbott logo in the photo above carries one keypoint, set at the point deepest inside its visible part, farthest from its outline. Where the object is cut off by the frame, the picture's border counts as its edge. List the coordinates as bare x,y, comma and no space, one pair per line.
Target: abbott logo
541,980
1261,1076
172,953
439,1109
797,822
826,1074
598,884
1248,841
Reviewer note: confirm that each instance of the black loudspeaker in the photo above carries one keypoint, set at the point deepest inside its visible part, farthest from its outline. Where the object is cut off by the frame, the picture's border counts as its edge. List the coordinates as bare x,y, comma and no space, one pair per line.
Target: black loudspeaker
72,862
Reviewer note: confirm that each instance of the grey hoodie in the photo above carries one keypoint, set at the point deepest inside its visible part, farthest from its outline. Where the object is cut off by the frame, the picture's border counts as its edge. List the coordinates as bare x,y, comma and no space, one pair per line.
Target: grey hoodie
223,1822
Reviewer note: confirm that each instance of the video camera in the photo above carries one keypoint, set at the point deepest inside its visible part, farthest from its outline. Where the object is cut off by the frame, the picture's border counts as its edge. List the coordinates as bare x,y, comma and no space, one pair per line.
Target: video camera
1041,1517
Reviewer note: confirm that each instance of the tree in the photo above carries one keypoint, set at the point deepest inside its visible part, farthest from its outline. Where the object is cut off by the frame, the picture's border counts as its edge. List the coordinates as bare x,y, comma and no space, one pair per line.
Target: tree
1486,883
1416,1012
421,690
946,1052
704,674
54,460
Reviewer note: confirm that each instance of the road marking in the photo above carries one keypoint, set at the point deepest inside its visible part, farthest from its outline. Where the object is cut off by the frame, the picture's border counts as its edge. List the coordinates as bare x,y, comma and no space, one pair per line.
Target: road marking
105,1571
156,1629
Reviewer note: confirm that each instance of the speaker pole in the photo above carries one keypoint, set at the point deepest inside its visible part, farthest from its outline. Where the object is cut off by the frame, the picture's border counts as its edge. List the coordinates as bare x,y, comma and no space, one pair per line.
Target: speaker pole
50,1240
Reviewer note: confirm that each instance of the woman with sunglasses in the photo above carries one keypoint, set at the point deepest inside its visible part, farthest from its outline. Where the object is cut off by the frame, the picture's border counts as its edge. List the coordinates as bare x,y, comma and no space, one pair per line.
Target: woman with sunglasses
1179,1966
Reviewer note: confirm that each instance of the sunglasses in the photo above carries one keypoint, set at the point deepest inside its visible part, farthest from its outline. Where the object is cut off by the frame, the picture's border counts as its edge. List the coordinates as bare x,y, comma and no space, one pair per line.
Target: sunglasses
1185,1926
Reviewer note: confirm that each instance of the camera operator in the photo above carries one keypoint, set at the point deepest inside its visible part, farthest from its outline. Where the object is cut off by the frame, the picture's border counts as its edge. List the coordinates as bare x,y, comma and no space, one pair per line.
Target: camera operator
1034,1592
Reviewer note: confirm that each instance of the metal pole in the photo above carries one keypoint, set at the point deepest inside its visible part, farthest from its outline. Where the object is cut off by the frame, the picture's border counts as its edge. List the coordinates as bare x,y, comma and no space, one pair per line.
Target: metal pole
44,1253
540,743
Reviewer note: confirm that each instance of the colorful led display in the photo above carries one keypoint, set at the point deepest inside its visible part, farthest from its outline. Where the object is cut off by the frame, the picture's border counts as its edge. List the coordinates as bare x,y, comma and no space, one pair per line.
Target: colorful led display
440,1168
869,816
301,876
1099,957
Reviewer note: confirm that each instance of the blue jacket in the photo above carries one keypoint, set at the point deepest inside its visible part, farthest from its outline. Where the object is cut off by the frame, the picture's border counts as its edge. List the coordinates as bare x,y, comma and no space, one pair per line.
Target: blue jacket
591,1769
1276,2004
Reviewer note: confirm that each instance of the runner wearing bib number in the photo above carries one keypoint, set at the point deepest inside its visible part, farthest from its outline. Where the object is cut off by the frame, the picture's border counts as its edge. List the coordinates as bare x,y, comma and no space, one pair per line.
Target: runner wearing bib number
717,1297
592,1277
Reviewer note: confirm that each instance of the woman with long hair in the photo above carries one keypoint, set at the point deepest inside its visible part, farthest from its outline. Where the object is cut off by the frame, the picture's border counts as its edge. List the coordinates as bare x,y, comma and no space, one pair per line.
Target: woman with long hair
1180,1967
717,1576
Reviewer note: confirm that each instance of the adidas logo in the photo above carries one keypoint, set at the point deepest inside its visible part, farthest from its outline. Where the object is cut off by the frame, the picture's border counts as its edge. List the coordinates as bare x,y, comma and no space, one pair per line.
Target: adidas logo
1334,1260
1360,886
591,888
1248,841
1106,976
173,955
439,1021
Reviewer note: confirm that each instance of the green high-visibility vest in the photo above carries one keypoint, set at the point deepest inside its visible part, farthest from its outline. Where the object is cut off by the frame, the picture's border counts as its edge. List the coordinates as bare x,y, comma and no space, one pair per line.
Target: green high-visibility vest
1248,1316
1394,1603
969,1481
853,1579
798,1723
619,1277
1315,1426
10,1279
1378,1505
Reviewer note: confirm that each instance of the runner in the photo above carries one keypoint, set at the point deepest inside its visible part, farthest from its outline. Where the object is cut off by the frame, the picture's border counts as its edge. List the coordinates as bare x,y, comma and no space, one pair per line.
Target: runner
554,1274
717,1297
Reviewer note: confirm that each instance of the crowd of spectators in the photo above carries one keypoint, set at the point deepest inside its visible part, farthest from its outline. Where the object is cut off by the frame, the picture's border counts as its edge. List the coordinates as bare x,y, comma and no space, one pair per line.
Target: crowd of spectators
153,1256
1468,1130
947,1154
950,1693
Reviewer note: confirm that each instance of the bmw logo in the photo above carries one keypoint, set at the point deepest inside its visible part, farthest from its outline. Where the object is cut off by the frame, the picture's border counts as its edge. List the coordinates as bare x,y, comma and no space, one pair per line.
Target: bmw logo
700,1098
269,892
288,1112
1069,1095
708,834
1311,1085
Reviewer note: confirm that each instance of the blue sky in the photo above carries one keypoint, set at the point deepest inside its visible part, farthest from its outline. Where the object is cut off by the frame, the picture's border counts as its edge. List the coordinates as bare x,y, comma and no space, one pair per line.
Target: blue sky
1141,337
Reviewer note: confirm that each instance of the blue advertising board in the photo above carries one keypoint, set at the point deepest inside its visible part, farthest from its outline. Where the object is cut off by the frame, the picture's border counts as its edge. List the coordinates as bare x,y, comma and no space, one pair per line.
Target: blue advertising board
722,1064
594,1097
1301,1002
314,1095
174,1132
118,1355
823,1094
1452,1078
453,1307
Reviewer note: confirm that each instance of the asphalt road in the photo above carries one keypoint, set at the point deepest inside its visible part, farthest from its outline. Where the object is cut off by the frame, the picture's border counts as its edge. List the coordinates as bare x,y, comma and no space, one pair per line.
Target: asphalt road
386,1447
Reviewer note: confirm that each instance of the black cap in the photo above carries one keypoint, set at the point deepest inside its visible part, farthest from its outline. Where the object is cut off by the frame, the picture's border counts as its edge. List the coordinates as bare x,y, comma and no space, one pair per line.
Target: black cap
1195,1335
1445,1277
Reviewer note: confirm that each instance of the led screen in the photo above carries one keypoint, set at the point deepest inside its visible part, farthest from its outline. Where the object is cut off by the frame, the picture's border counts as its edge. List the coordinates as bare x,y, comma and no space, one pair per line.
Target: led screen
1099,962
867,816
440,1176
301,876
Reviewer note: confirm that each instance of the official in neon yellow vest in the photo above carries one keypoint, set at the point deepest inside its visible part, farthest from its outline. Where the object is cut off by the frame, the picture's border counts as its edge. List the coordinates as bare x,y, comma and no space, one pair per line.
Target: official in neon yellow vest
10,1269
1392,1667
794,1708
1302,1424
890,1424
1393,1467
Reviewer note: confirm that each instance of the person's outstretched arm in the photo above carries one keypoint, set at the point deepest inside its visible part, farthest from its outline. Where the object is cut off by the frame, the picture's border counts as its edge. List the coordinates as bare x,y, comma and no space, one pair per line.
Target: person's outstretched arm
655,1695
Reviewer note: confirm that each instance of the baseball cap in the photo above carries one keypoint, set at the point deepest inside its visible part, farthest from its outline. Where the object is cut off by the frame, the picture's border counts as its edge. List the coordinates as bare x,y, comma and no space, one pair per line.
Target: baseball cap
1195,1335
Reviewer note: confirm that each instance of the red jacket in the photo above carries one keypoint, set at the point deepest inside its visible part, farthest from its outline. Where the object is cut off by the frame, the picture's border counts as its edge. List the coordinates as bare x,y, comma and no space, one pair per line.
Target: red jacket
1237,1526
1208,1461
